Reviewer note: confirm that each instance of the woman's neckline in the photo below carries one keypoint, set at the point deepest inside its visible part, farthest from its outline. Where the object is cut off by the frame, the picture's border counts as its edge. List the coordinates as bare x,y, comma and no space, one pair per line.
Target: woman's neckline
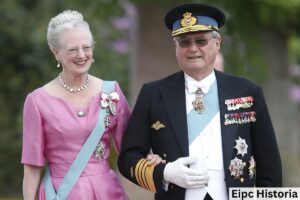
77,108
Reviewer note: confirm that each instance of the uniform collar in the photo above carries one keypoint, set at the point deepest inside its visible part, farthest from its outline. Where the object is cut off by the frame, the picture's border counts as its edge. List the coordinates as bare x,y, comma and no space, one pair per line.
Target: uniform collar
192,85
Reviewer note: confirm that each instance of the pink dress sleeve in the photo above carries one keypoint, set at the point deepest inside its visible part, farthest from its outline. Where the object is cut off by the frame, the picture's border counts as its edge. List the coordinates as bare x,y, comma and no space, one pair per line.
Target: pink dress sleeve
123,114
33,136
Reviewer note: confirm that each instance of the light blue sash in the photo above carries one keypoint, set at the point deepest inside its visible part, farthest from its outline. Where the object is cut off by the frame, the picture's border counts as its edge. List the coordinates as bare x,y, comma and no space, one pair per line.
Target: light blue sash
82,158
197,122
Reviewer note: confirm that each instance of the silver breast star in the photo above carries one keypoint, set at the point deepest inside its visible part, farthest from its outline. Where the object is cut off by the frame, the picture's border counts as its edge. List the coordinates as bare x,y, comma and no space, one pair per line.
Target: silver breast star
241,146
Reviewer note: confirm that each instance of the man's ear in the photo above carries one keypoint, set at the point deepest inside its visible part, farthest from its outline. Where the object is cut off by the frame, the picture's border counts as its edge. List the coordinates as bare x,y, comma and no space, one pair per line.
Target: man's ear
218,43
174,40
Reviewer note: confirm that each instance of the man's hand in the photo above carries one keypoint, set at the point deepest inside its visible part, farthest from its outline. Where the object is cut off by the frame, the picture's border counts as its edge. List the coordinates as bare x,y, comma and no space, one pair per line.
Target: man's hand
155,159
177,172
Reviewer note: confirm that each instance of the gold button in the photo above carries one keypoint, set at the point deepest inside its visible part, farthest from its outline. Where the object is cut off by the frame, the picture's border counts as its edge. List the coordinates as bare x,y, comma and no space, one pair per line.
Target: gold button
242,180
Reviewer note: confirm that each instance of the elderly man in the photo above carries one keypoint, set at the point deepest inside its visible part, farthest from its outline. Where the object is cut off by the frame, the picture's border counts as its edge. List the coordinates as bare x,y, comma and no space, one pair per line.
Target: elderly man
212,129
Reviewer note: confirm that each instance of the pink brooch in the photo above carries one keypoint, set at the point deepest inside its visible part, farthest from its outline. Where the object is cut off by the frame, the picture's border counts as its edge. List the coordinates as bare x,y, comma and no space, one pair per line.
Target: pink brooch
108,101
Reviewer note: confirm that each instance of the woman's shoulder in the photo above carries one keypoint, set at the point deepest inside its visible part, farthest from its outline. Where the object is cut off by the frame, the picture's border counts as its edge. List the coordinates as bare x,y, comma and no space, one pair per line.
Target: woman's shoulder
100,83
95,79
40,94
36,99
36,92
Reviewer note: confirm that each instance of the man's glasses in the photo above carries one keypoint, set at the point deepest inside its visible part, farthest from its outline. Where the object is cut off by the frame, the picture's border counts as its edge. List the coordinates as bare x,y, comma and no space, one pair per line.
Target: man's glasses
199,42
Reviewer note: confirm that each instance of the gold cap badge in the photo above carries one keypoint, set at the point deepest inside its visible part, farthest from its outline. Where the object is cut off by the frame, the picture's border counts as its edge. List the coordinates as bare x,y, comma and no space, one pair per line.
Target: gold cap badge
188,20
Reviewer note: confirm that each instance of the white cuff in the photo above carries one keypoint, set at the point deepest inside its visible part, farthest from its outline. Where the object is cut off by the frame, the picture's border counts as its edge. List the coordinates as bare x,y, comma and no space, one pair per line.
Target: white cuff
165,186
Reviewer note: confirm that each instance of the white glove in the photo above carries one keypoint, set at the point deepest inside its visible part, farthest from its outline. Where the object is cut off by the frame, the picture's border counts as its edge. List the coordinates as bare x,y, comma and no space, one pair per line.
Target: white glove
177,172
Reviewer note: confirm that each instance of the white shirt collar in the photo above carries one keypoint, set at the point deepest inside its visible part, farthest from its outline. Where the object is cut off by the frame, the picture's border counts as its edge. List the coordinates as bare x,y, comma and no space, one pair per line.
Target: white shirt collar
192,85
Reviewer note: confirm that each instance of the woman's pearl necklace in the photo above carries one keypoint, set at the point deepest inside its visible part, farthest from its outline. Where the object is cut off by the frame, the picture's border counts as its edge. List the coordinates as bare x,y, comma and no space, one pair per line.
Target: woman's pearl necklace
73,90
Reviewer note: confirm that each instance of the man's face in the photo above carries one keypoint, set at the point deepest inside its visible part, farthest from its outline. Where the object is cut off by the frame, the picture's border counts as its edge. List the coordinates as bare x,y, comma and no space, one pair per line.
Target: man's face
196,53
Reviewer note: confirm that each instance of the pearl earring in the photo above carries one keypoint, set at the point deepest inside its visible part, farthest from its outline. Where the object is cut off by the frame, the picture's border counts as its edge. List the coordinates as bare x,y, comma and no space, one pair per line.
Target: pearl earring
93,61
58,65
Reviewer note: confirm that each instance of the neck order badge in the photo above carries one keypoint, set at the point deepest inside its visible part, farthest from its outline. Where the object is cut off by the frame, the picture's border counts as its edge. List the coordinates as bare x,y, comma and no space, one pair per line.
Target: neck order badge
198,103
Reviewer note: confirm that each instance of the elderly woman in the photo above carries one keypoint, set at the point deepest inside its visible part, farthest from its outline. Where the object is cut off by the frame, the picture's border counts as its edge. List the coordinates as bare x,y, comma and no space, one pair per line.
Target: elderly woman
68,122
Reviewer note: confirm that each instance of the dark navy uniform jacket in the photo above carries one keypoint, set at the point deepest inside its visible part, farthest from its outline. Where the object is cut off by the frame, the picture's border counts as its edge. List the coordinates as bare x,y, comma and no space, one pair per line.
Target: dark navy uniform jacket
163,103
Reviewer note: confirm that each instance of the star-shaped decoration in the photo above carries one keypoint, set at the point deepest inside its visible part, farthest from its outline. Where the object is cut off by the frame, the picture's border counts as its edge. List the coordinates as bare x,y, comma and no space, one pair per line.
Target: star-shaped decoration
241,146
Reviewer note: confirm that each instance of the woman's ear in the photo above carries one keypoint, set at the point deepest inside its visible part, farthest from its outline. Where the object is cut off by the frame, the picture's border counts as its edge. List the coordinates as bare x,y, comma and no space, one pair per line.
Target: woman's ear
55,53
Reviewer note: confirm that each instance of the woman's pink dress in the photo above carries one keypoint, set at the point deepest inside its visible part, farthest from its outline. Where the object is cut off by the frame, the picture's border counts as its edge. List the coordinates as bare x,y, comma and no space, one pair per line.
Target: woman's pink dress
53,133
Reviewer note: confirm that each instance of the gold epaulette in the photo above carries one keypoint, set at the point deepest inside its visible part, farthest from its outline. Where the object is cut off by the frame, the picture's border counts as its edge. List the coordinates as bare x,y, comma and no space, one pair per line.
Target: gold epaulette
144,174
